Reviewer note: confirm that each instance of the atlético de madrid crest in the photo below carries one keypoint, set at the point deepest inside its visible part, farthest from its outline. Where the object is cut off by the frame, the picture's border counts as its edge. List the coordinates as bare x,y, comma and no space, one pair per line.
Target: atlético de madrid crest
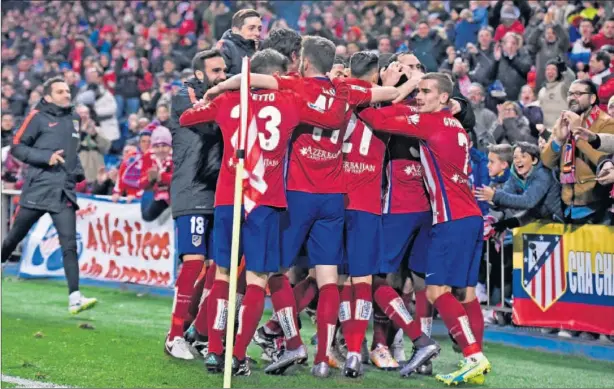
196,240
543,268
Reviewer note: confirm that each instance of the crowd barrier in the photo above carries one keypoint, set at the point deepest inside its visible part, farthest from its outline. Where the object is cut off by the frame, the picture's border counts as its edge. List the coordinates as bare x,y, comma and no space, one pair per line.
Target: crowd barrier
563,275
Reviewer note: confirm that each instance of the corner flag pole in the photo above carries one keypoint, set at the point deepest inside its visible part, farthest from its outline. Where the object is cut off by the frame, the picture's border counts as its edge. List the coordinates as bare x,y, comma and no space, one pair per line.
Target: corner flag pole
236,223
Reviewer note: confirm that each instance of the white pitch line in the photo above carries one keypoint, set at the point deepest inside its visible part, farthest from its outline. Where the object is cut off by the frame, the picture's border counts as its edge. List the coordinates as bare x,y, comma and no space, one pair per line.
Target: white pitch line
24,383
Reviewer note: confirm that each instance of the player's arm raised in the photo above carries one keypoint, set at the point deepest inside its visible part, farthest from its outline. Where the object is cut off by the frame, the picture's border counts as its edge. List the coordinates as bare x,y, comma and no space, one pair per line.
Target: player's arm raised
388,119
263,81
204,114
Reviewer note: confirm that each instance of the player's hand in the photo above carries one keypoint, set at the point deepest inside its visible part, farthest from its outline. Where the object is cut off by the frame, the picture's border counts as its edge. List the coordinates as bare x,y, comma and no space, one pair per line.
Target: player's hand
454,106
130,199
115,197
392,74
498,52
56,158
584,133
211,93
485,193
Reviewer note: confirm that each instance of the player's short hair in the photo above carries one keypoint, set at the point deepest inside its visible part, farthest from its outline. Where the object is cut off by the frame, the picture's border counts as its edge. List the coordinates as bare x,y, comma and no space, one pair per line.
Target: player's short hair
444,84
198,62
320,52
363,63
529,148
284,40
268,61
504,152
238,19
48,85
340,61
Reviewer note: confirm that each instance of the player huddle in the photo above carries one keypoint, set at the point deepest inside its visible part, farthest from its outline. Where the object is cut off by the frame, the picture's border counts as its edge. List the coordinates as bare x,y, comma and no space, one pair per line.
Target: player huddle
361,172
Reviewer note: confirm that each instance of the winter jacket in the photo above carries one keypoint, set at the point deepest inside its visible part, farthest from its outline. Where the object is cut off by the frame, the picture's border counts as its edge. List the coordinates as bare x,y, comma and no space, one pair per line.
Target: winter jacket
129,175
545,51
604,144
105,108
534,114
587,158
161,186
539,194
197,156
553,100
481,65
605,91
479,174
91,153
466,32
485,120
513,130
430,50
44,131
128,76
501,30
233,48
512,72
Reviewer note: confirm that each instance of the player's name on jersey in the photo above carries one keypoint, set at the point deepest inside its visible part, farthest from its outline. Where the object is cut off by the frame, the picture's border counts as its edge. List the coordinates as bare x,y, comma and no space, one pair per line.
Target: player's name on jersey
584,278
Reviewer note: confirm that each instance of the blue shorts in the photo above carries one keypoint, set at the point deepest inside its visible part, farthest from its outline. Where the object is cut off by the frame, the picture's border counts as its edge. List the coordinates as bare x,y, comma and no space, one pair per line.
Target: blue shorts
259,238
363,243
402,232
455,252
317,219
194,235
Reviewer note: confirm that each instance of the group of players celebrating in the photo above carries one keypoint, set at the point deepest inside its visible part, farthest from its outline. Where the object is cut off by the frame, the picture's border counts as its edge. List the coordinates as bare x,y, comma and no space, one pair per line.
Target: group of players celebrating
326,141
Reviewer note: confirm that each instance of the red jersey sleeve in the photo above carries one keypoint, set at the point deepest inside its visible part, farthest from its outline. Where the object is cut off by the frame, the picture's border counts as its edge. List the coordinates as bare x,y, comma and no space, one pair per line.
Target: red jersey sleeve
357,95
205,114
294,84
387,119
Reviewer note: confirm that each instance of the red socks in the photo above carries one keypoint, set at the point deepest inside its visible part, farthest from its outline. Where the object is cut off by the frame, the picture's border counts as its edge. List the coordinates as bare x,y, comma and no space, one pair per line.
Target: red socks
362,308
424,312
455,318
394,307
285,309
249,317
304,292
200,322
476,319
217,307
326,317
346,309
184,288
196,297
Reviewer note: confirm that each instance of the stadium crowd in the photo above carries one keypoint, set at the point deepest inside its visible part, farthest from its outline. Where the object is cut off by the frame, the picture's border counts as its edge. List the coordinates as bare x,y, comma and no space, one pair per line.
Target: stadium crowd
514,62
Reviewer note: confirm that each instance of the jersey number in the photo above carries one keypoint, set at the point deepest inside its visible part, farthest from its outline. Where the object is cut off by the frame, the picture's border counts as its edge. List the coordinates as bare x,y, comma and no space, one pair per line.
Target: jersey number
365,140
323,103
273,117
197,225
464,142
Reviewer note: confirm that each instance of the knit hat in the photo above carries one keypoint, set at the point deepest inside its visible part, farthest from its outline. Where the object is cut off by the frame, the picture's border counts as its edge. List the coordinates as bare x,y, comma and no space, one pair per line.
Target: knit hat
161,135
510,12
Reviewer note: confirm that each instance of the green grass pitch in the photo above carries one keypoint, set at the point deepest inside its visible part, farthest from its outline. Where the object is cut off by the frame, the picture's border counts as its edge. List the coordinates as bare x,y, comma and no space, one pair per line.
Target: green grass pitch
42,342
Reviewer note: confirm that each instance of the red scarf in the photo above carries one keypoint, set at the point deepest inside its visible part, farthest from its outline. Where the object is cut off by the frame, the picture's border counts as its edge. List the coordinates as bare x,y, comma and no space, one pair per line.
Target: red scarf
568,171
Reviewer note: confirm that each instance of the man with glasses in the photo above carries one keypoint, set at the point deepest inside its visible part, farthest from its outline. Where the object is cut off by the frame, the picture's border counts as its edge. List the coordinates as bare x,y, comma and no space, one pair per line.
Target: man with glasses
585,200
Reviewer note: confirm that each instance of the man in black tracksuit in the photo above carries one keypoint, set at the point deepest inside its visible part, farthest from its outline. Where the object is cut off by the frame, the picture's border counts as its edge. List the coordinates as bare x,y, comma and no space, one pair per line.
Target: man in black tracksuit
197,155
48,141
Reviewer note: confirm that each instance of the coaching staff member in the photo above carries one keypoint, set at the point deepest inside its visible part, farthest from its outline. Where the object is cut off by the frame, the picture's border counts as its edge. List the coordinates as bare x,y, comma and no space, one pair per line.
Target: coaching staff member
48,141
197,154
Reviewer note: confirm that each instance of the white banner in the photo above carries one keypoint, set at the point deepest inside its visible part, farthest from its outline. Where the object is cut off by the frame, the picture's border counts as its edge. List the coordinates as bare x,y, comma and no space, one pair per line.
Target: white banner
113,244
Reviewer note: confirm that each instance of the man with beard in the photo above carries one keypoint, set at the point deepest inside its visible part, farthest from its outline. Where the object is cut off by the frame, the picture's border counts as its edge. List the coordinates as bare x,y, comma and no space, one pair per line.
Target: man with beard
48,141
585,200
197,154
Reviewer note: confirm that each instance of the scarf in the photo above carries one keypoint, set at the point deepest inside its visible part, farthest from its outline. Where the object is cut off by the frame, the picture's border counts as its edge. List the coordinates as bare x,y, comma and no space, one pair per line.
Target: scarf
568,171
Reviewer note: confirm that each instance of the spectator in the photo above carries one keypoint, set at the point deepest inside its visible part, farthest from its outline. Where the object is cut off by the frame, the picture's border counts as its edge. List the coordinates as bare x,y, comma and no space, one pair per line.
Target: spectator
510,22
93,145
460,71
511,65
485,119
581,49
605,37
7,124
16,101
128,177
315,26
531,110
531,188
156,173
240,40
95,95
166,52
105,181
553,95
482,57
546,42
499,164
479,170
466,30
585,202
511,125
428,46
128,72
384,45
602,76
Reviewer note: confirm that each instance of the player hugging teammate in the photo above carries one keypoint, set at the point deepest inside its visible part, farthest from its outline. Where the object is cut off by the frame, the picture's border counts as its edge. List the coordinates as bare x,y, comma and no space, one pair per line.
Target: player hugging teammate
325,192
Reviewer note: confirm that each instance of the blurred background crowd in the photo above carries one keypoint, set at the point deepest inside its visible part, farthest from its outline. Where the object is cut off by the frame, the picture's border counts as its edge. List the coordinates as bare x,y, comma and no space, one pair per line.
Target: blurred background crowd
513,61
